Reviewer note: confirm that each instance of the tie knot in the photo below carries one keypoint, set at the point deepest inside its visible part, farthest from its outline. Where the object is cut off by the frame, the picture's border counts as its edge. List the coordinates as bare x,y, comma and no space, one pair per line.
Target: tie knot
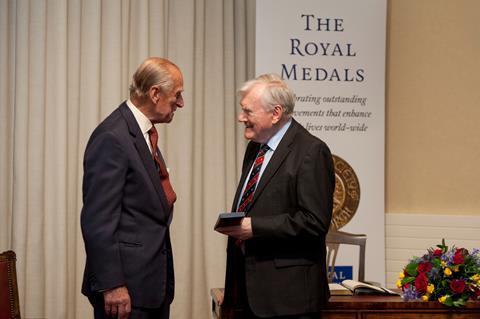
153,130
153,134
263,149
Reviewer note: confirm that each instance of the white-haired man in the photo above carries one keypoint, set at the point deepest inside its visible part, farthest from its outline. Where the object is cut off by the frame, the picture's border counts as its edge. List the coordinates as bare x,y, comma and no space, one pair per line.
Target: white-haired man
276,257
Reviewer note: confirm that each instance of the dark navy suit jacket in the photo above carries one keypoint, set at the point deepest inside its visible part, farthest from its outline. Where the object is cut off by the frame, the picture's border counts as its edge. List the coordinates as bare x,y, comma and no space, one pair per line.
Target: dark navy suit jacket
125,217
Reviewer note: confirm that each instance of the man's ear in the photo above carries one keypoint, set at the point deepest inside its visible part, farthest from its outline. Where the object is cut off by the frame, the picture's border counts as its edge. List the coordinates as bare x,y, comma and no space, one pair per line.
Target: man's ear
277,113
153,94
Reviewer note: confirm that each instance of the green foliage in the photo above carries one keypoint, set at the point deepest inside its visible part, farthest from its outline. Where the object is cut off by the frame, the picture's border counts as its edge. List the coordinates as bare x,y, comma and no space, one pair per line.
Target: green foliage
449,275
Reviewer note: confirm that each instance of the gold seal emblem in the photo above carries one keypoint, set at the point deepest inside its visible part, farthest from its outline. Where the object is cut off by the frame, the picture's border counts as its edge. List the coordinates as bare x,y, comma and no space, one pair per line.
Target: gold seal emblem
346,195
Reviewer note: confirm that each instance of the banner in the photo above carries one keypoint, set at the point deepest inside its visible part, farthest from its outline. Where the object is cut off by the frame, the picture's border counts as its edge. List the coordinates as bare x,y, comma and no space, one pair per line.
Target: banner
332,54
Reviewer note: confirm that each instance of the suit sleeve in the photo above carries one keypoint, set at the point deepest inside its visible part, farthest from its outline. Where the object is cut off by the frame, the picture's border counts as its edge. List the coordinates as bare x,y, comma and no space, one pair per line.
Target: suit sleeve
105,166
311,217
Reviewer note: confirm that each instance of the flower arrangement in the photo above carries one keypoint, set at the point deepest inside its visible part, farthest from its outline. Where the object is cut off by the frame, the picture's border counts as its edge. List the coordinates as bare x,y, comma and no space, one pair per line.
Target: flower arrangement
451,276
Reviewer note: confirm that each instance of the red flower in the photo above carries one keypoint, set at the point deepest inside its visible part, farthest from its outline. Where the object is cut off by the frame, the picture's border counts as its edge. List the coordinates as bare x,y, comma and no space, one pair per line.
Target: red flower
424,267
421,283
457,286
437,252
458,258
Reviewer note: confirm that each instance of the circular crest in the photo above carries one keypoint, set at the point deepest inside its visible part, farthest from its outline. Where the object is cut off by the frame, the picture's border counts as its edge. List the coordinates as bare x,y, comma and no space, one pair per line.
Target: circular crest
346,195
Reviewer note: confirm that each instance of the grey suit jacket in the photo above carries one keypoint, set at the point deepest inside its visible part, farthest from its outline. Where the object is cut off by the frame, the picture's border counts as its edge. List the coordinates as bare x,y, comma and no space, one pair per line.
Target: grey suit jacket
125,217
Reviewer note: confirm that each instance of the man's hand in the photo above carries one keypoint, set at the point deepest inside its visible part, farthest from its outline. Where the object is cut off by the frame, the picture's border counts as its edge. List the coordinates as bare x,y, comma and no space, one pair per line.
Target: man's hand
117,302
241,232
220,298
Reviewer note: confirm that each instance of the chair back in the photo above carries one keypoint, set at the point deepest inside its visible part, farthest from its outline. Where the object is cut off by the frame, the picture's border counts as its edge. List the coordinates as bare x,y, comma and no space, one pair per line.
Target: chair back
334,239
9,304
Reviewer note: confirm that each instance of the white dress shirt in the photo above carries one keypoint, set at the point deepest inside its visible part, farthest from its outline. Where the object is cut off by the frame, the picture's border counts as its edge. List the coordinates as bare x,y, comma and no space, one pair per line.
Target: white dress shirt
143,122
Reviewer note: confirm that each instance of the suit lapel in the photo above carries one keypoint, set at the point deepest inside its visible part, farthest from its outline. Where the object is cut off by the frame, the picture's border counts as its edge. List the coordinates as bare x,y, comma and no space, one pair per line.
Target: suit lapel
277,159
144,153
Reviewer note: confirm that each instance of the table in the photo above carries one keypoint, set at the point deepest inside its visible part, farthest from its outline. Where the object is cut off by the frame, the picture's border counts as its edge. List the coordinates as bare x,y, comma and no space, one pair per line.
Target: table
379,307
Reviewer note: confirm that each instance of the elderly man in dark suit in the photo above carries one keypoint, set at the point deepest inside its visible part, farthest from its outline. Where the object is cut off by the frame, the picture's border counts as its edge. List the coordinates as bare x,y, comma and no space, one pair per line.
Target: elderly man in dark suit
128,201
276,257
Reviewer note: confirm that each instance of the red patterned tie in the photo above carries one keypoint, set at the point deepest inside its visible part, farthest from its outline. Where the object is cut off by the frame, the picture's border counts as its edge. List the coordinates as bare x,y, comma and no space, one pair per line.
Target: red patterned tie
249,191
162,170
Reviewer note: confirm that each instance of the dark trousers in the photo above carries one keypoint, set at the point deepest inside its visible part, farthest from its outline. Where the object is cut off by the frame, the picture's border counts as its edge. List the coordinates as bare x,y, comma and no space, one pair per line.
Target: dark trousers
248,314
241,309
137,312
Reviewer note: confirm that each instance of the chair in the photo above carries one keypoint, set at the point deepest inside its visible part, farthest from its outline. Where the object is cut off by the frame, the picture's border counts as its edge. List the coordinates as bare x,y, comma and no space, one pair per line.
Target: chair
9,303
334,239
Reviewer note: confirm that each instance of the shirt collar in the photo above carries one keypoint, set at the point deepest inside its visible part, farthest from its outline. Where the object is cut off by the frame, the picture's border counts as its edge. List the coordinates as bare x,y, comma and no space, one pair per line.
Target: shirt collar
275,139
142,120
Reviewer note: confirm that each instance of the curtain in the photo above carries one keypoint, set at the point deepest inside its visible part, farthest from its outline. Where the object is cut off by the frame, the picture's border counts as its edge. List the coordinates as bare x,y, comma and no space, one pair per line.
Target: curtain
65,65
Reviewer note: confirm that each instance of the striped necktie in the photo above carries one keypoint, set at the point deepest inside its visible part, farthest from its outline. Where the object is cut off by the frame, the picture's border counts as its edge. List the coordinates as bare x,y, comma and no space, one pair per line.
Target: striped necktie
249,191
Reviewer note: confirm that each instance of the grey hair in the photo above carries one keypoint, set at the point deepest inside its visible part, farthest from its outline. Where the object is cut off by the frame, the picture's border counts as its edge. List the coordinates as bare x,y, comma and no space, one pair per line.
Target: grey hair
276,92
153,71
